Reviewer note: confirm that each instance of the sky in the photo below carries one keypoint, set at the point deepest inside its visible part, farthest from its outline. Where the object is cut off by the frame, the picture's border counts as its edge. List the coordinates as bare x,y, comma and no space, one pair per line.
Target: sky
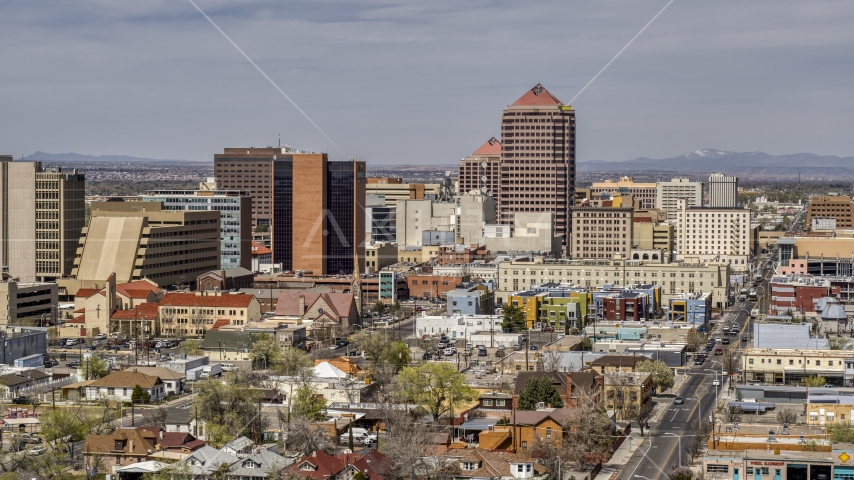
422,82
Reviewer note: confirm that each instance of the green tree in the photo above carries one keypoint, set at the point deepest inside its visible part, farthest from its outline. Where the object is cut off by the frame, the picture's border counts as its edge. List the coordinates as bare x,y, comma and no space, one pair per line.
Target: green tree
514,318
139,395
375,345
64,428
262,229
307,404
191,347
232,407
841,432
265,350
380,307
662,375
539,390
438,386
94,367
350,438
816,381
398,354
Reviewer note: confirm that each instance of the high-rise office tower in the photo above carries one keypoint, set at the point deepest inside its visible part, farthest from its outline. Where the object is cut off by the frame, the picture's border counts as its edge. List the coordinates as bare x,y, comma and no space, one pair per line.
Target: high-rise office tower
723,191
667,195
538,159
315,208
479,171
42,212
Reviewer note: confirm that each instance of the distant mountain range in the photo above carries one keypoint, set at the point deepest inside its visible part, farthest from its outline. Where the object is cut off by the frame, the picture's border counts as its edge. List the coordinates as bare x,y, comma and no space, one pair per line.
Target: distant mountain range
708,160
79,157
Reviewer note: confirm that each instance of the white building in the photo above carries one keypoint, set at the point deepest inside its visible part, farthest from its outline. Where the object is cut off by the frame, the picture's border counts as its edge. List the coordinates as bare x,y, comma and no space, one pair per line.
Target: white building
667,194
457,326
705,234
723,191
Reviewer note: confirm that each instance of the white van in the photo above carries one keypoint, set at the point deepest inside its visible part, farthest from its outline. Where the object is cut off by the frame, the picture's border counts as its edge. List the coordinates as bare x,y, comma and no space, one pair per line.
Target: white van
227,367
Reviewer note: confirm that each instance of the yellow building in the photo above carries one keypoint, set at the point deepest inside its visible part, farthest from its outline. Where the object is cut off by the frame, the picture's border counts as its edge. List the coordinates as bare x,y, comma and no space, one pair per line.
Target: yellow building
830,409
627,391
195,313
379,256
789,366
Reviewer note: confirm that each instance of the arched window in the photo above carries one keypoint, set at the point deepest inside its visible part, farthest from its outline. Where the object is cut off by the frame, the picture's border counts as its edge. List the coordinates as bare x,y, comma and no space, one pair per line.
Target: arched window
635,256
655,256
646,256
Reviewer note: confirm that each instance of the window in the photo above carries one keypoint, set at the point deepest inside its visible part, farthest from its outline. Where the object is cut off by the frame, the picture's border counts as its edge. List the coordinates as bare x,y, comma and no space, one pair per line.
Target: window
487,402
524,444
749,471
764,470
500,403
469,466
548,432
717,468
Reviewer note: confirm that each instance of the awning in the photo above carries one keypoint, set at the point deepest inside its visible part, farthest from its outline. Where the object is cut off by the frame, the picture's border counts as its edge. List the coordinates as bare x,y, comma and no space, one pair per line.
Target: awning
20,421
142,467
479,424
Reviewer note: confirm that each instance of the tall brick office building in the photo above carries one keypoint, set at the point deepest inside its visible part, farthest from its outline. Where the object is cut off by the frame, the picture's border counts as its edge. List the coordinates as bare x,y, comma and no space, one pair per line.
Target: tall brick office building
314,207
538,159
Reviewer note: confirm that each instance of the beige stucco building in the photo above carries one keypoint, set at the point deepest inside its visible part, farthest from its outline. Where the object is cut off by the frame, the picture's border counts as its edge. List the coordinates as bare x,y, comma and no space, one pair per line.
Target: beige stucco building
602,232
789,366
194,314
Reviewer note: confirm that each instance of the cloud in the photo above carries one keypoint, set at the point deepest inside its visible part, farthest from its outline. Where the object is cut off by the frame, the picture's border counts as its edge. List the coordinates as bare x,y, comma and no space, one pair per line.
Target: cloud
422,82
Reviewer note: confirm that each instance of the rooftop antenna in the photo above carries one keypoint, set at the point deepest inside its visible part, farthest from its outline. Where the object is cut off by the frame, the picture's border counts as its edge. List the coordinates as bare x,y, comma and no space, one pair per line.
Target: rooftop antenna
280,140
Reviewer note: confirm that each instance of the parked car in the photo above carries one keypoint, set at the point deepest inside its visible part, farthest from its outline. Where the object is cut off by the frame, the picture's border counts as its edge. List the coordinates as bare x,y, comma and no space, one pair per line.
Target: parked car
482,353
441,345
62,342
449,351
73,364
548,329
26,438
534,347
50,363
101,336
20,401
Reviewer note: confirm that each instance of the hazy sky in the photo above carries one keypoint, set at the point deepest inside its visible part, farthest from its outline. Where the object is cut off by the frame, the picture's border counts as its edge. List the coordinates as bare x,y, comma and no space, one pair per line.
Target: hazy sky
423,82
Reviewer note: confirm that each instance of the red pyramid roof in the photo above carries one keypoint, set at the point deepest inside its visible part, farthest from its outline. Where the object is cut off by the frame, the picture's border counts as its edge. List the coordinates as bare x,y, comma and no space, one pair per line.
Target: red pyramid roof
537,96
491,147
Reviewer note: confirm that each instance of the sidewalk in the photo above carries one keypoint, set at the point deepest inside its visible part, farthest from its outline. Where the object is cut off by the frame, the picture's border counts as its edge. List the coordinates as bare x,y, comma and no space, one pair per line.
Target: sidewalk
621,455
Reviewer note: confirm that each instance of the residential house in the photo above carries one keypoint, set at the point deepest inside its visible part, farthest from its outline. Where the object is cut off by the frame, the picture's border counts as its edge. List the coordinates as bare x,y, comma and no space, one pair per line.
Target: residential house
195,313
316,309
125,445
329,382
544,423
320,466
183,420
373,466
239,447
258,465
12,383
569,385
205,461
479,464
221,345
121,384
172,380
180,442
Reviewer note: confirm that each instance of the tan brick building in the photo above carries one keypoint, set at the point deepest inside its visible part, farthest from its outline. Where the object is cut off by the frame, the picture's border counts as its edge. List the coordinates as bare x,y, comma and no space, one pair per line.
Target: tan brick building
194,314
838,207
481,169
603,232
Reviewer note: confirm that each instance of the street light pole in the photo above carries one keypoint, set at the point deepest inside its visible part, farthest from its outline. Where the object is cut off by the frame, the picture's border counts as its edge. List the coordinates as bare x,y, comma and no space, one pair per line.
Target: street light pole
679,438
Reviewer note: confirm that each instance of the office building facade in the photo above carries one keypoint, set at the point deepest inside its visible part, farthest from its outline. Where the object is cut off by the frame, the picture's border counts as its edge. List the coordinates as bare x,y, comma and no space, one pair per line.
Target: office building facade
235,215
315,208
43,211
837,207
601,232
713,235
667,194
723,191
643,193
480,170
538,159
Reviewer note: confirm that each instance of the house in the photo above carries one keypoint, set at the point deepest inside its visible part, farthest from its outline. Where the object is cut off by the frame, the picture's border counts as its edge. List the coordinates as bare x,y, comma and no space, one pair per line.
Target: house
347,365
239,447
568,385
625,392
205,461
172,380
13,383
329,382
182,420
316,308
320,465
495,404
180,442
528,425
261,255
124,446
482,464
257,465
121,384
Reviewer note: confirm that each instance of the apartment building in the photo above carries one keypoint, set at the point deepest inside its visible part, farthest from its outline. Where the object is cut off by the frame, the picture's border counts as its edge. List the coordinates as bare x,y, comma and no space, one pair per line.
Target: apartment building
480,170
235,214
673,278
42,211
538,159
706,234
837,207
314,207
380,220
723,191
643,193
789,366
194,314
432,286
668,193
379,256
137,240
603,232
647,235
461,254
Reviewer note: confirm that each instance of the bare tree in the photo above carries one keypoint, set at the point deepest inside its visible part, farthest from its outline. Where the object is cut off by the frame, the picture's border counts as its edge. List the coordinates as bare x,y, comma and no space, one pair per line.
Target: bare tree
787,416
154,417
303,435
588,430
551,361
640,415
412,447
167,322
699,437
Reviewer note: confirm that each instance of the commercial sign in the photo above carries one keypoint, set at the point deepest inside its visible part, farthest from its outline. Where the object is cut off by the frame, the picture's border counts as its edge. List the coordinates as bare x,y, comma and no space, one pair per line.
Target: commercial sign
754,463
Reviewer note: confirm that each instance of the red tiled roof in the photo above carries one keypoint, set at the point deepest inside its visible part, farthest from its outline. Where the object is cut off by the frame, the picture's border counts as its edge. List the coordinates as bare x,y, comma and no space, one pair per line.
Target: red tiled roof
537,96
258,249
178,299
491,147
86,292
137,289
288,302
642,220
82,310
80,319
143,311
325,465
374,465
221,322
